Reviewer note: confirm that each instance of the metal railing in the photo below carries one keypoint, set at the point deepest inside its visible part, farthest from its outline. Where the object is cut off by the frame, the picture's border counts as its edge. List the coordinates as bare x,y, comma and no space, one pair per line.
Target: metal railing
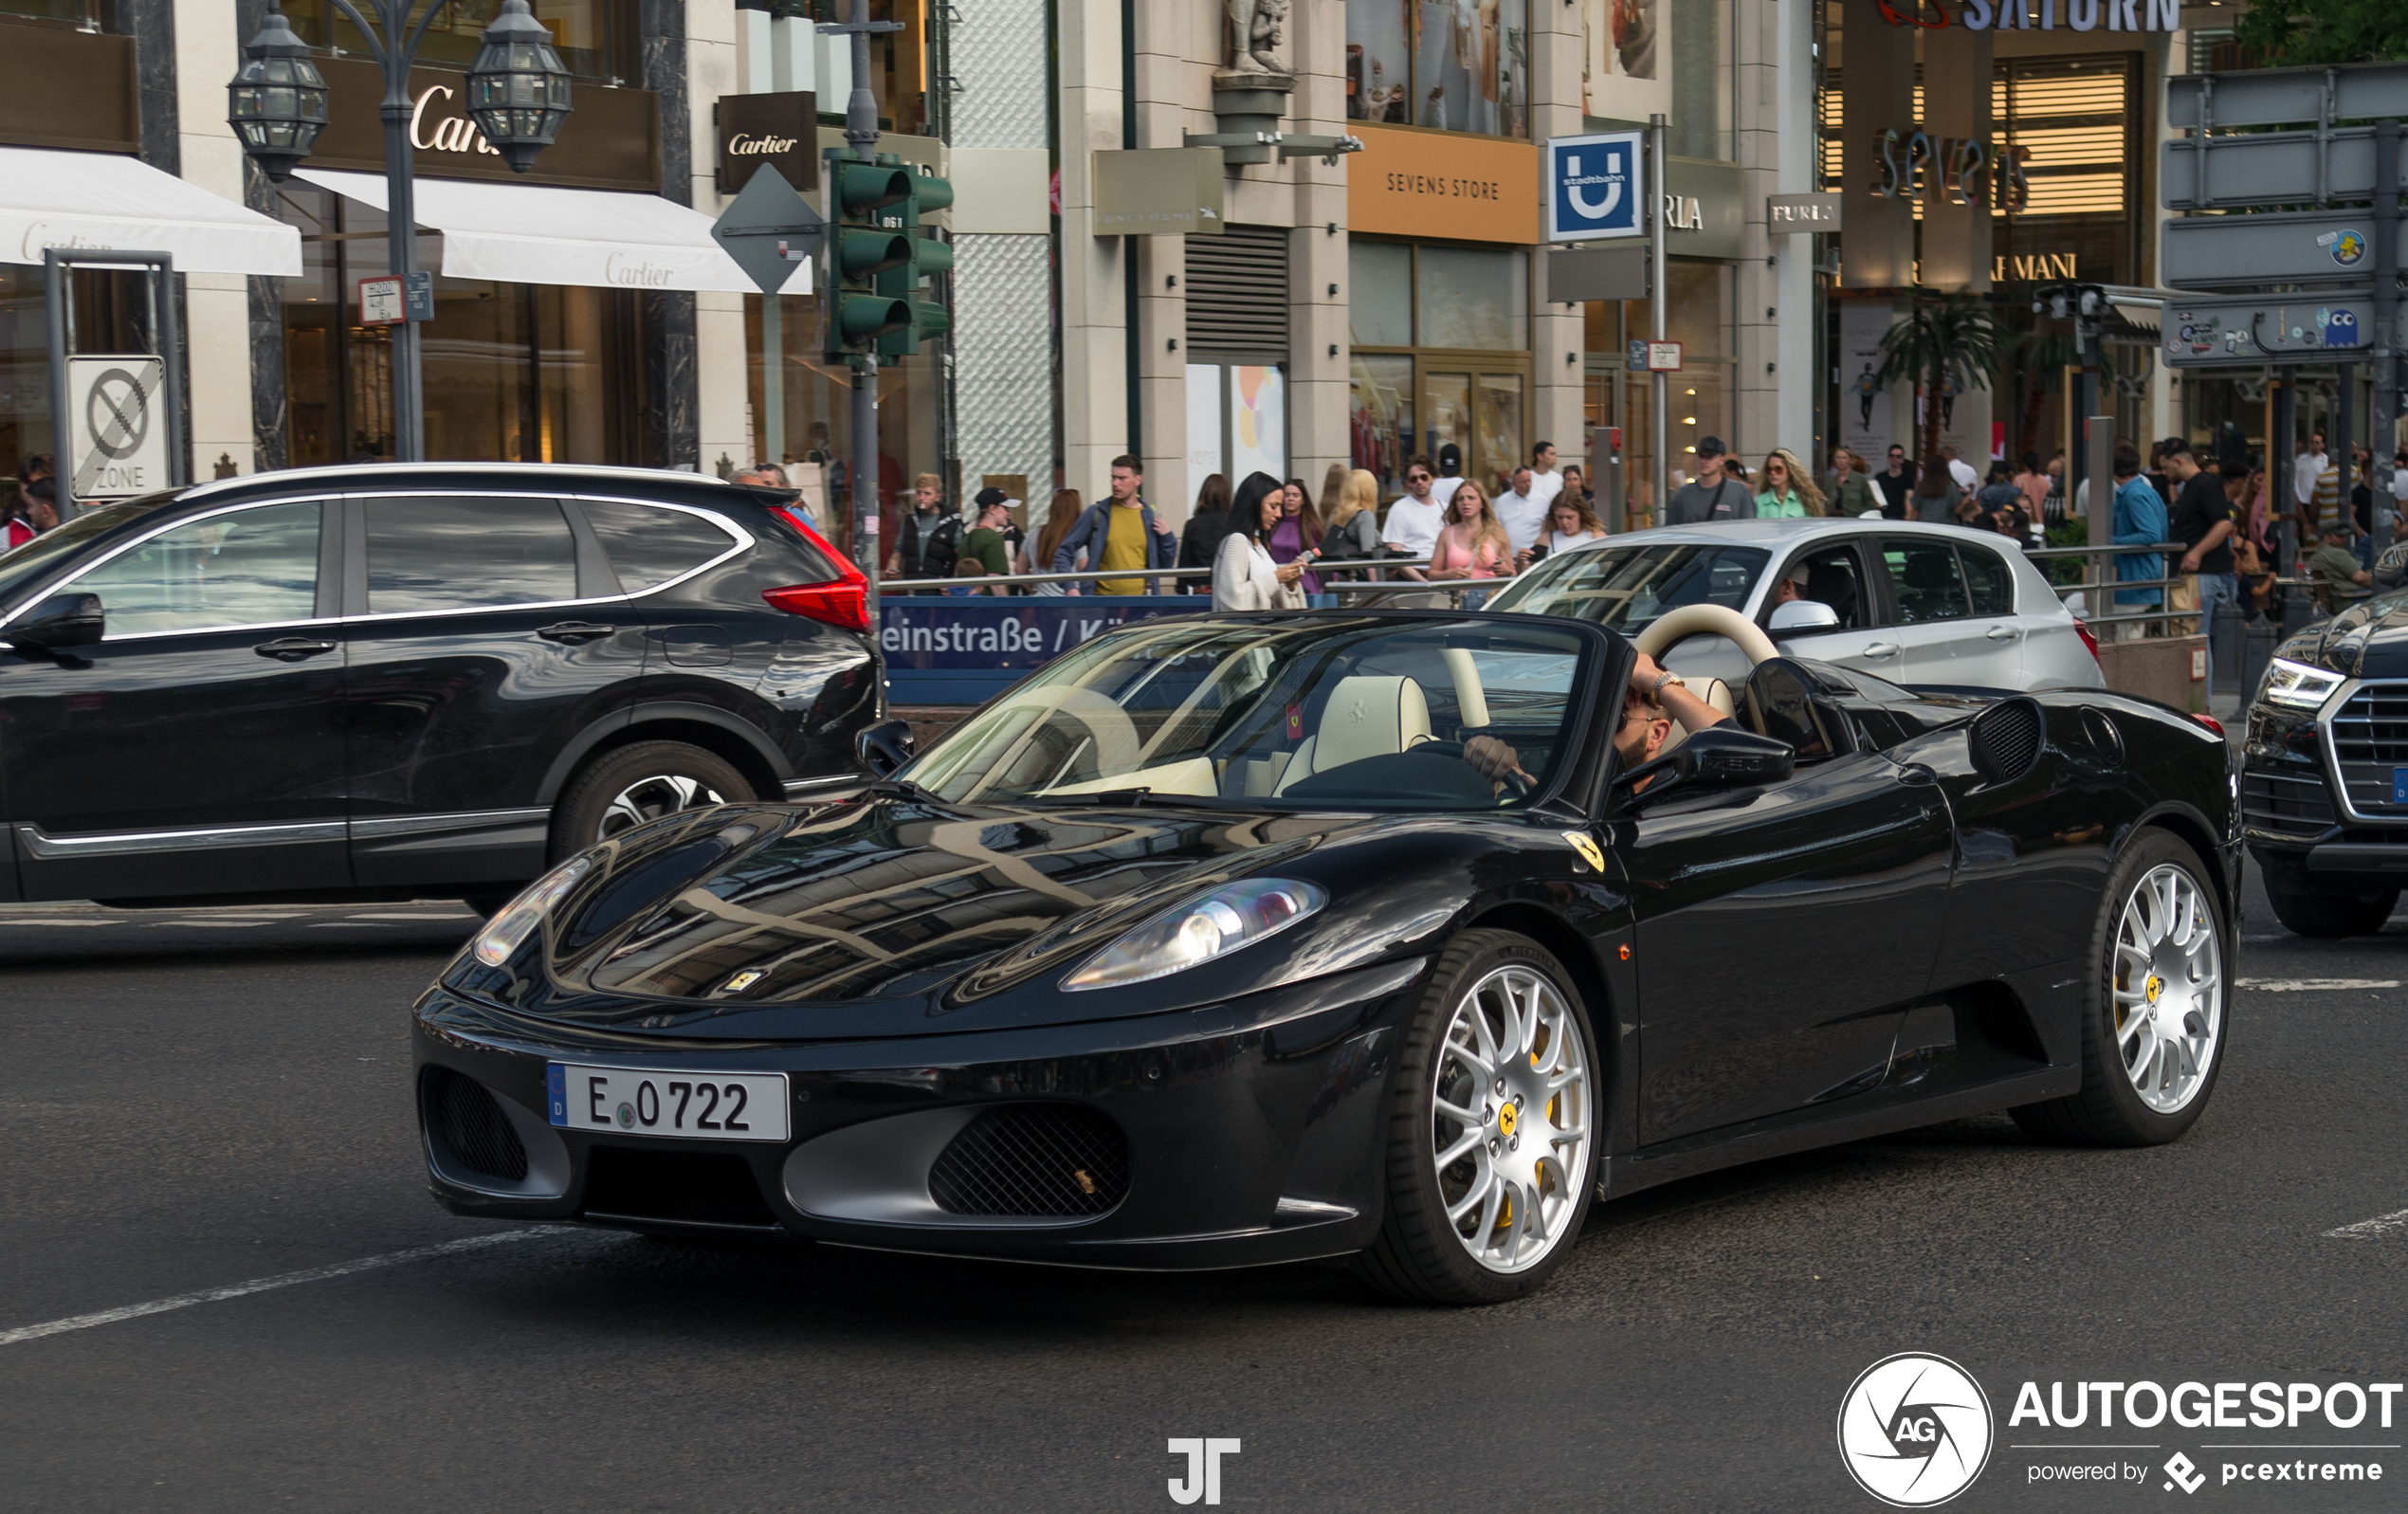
1329,573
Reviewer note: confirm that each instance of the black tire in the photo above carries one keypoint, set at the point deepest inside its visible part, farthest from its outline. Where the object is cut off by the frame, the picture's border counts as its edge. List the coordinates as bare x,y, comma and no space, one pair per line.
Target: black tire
2328,913
683,778
2109,1110
1419,1255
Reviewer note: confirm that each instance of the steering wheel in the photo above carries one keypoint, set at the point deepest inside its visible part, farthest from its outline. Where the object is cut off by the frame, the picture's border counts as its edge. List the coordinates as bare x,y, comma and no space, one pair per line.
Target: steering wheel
1713,620
1512,781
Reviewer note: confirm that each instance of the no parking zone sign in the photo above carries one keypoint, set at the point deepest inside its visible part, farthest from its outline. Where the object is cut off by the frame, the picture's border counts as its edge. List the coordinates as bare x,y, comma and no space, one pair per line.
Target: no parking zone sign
1594,187
117,424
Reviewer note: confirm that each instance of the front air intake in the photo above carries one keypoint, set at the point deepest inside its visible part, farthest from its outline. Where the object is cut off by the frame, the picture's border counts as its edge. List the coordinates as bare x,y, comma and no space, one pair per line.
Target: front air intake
469,1129
2005,740
1032,1161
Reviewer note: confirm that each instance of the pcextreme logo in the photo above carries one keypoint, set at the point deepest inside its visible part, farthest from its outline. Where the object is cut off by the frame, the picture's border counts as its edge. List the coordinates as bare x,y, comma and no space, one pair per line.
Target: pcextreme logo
1914,1429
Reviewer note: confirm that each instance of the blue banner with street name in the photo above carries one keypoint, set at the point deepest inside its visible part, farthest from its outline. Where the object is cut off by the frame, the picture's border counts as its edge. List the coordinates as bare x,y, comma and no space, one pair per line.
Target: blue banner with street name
944,650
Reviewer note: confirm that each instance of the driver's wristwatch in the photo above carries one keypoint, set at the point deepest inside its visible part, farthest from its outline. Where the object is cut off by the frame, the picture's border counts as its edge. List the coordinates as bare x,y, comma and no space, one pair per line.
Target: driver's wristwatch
1655,695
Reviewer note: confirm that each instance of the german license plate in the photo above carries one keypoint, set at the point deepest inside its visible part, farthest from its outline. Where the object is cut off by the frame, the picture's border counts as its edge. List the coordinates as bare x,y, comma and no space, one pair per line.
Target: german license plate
641,1102
2399,785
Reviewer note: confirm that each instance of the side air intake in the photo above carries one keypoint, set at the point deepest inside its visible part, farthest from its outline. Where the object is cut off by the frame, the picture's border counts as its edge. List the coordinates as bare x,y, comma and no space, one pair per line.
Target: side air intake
2005,740
1031,1161
469,1130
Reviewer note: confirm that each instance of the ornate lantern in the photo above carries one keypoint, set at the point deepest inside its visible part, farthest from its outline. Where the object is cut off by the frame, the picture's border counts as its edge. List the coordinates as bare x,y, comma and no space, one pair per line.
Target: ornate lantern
518,90
276,104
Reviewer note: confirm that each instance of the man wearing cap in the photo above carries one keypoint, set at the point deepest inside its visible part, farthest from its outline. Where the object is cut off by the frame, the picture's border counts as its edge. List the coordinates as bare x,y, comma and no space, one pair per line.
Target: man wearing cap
1711,496
1442,488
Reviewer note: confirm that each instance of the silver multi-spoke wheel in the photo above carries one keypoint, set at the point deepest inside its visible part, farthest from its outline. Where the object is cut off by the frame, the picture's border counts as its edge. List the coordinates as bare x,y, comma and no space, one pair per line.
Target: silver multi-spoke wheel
1512,1118
651,797
2168,988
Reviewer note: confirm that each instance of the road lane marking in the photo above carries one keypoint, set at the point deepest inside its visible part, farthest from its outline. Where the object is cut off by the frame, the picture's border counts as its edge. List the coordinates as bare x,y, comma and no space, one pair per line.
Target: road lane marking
286,1280
2380,1225
2314,985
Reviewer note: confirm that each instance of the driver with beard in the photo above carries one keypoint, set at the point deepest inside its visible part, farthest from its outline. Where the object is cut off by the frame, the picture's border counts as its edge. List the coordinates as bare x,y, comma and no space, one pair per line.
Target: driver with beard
1653,699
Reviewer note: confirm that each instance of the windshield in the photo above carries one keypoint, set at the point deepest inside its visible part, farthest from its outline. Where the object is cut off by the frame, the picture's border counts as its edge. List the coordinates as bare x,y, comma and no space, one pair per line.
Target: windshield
1355,714
1626,587
22,567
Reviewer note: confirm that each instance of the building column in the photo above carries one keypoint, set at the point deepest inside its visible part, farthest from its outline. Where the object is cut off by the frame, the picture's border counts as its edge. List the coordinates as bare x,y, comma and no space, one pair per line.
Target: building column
721,388
1756,385
671,326
208,43
1318,350
1003,354
1095,418
1558,332
1877,248
1955,237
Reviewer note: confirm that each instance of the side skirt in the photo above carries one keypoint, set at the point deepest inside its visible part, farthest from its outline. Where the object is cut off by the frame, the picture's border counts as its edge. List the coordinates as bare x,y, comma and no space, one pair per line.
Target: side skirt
1804,1130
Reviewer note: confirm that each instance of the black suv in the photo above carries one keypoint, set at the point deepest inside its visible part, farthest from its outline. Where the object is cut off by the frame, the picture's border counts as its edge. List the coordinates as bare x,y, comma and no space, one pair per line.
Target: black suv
409,680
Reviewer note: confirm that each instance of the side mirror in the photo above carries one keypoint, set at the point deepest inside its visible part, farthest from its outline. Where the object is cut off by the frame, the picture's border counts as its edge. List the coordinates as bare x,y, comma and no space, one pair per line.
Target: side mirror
884,747
1720,756
60,621
1803,617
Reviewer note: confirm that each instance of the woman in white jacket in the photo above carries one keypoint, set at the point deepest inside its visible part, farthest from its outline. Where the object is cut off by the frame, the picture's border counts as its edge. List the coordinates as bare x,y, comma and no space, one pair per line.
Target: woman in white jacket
1244,575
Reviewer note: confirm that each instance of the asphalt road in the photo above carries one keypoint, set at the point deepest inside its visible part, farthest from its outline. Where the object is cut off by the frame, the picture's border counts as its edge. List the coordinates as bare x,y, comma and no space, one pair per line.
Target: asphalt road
196,1100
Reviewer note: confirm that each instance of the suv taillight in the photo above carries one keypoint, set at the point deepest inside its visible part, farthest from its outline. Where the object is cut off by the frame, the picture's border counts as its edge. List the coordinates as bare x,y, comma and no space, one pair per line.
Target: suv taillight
841,601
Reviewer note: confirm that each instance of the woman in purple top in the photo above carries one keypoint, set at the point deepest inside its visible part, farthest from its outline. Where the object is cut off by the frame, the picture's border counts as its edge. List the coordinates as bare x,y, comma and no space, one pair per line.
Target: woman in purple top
1298,531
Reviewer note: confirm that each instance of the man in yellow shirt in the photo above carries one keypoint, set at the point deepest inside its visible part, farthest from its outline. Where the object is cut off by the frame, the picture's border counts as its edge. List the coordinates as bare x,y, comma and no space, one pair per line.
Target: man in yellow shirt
1121,532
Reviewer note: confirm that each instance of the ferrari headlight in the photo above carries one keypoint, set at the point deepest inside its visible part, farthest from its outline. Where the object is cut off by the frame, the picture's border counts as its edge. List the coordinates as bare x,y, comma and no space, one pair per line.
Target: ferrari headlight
1229,916
2298,685
509,930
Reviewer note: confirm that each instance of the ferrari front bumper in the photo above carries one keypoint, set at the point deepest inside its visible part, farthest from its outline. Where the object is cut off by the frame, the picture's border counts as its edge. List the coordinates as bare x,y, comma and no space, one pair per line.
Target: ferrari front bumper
1249,1131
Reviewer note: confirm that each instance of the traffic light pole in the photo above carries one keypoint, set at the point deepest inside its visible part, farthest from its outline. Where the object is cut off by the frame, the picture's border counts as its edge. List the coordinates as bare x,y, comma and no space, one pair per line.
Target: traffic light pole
861,141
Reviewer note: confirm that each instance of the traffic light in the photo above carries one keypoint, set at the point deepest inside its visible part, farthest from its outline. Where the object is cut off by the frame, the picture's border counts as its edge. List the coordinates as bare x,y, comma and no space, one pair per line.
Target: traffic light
864,245
902,280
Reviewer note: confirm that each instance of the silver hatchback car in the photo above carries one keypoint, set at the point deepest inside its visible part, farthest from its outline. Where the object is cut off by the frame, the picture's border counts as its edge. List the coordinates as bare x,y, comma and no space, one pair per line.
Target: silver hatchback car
1916,603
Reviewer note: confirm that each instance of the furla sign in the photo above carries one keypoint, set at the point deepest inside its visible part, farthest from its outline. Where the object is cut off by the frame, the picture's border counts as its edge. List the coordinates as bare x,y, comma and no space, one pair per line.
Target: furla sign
781,130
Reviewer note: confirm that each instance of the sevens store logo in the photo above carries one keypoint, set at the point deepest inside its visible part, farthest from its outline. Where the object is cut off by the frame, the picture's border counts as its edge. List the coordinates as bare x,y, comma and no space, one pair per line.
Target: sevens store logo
1914,1429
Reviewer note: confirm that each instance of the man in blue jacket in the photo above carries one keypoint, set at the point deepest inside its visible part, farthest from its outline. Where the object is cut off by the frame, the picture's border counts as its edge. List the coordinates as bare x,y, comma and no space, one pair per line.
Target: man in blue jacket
2140,521
1121,532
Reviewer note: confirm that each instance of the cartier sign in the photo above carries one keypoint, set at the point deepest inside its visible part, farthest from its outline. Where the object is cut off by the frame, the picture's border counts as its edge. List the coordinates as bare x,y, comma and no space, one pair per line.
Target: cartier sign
612,139
782,130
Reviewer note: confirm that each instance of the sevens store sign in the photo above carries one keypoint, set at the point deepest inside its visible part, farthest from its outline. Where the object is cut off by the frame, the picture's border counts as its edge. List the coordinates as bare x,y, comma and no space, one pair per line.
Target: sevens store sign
116,426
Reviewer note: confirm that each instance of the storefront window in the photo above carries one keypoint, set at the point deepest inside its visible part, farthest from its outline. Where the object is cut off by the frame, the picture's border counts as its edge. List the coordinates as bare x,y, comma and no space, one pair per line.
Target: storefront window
595,38
1469,72
512,372
818,418
1459,319
107,309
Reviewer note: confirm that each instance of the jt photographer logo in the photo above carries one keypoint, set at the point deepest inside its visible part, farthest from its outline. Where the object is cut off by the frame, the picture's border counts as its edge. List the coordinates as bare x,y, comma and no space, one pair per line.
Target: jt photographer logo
1914,1429
1203,1479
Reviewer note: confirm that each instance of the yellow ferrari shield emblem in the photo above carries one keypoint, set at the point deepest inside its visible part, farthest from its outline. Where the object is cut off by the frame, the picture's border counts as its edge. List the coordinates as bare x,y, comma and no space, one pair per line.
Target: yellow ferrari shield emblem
1586,846
1507,1118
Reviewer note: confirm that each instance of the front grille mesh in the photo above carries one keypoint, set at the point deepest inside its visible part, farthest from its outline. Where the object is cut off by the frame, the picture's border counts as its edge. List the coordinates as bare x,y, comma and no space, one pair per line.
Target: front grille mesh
1032,1161
2287,806
469,1129
2370,739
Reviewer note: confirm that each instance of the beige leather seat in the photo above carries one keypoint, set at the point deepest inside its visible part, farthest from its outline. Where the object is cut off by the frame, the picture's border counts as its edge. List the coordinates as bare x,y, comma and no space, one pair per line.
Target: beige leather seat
1367,716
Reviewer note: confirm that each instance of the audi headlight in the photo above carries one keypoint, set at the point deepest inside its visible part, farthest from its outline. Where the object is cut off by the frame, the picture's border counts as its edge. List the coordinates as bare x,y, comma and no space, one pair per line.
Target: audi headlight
508,931
1229,916
2298,685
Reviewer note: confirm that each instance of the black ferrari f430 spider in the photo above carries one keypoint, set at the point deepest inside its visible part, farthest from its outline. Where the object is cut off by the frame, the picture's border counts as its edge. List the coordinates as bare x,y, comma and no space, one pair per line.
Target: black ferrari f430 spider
1232,939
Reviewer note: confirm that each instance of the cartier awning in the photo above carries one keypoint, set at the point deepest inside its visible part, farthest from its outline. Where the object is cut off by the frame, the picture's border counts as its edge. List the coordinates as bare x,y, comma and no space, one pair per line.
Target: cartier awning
51,198
534,234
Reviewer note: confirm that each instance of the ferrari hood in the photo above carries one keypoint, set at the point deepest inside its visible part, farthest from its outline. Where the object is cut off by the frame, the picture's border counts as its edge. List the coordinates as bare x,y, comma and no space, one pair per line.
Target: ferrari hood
884,899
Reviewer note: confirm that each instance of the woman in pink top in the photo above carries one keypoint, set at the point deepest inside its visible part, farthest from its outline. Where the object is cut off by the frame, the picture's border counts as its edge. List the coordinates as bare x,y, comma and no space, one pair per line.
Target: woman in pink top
1473,545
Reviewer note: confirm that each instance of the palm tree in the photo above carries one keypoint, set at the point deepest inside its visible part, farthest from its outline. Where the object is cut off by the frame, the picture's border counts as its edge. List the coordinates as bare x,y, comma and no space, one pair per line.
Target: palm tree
1945,338
2044,354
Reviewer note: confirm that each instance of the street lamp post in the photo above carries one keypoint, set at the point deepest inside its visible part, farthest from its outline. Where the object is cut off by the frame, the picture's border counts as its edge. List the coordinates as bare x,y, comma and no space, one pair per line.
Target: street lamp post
518,96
